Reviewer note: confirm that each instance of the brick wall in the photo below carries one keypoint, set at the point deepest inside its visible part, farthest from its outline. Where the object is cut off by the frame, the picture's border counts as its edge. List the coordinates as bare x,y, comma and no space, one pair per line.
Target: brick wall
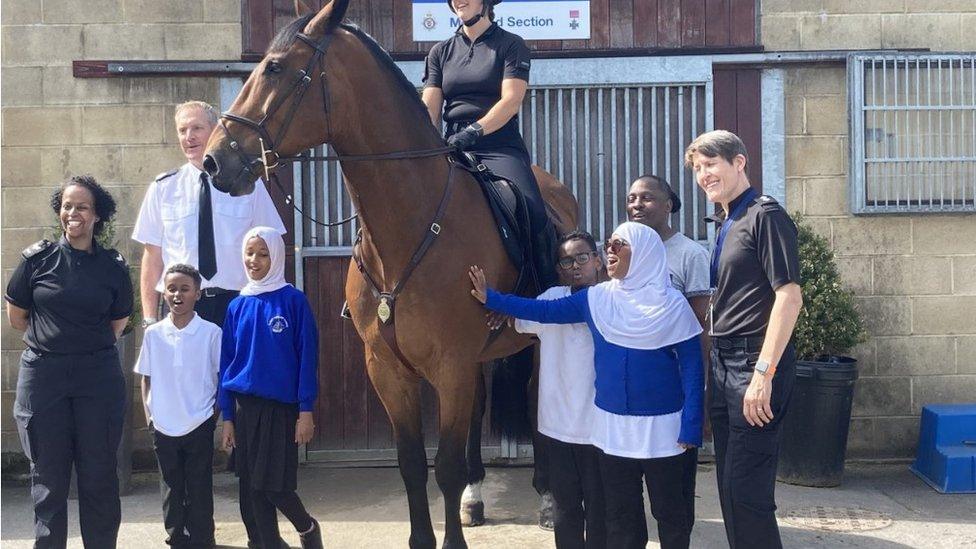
914,275
120,130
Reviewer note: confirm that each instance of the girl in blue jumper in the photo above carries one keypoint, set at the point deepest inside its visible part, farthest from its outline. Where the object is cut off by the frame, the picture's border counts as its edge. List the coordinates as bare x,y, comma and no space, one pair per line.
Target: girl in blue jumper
268,385
649,382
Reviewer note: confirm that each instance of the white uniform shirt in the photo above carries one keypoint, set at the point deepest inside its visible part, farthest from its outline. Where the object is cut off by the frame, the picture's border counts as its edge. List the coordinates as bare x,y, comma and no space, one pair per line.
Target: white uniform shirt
637,437
566,376
169,219
182,366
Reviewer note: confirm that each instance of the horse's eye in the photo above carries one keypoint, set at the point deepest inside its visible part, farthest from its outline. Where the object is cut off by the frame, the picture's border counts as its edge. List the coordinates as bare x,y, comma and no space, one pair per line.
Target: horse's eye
273,67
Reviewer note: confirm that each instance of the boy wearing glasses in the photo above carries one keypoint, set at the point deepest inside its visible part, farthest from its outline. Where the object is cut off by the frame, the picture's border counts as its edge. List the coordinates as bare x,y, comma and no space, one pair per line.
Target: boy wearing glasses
566,403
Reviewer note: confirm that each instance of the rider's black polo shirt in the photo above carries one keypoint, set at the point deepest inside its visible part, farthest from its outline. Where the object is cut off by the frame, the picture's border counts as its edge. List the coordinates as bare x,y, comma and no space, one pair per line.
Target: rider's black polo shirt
470,75
72,296
759,255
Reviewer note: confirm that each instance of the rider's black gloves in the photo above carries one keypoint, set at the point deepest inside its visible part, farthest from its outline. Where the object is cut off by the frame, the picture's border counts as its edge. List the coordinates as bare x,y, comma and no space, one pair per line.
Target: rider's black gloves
466,138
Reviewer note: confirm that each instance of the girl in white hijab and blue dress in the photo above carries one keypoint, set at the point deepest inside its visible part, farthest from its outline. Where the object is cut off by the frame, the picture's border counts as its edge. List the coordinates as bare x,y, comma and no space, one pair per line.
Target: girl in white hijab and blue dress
268,386
649,382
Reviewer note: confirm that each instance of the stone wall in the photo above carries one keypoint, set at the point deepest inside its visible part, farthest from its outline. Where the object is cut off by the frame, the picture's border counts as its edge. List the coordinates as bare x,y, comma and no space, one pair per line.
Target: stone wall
120,130
914,275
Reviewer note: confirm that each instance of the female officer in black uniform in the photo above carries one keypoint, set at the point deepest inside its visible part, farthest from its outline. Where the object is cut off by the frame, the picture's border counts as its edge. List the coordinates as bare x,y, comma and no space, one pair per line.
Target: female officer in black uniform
72,298
478,78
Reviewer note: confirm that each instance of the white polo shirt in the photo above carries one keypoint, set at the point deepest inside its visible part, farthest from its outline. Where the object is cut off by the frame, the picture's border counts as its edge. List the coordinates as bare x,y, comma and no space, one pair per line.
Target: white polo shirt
182,366
168,219
566,376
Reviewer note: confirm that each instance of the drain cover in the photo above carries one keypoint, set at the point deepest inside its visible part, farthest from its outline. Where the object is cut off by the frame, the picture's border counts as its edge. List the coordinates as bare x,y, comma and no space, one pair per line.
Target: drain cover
837,519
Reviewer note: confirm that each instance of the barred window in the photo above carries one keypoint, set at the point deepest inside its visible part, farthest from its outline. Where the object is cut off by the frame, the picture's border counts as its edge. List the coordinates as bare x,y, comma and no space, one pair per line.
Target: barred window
913,132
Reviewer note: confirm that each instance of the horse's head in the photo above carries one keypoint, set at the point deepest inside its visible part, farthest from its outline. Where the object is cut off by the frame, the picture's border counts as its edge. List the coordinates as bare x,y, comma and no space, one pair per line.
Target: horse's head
282,109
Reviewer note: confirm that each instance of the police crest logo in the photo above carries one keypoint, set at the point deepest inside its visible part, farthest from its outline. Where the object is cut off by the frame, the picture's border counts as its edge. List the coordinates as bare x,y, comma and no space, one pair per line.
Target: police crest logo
278,324
429,22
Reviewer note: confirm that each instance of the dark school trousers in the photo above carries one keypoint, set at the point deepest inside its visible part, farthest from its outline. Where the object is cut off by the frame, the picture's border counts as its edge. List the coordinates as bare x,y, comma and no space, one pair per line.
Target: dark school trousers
577,491
69,411
746,456
186,483
624,493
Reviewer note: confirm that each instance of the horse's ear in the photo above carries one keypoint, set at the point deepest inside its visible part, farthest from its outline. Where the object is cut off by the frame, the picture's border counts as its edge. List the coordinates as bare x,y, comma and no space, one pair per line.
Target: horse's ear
328,18
301,8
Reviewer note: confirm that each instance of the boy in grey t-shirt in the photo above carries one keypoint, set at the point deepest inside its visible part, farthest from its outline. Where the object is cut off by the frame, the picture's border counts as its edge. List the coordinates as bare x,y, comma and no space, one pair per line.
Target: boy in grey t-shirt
688,263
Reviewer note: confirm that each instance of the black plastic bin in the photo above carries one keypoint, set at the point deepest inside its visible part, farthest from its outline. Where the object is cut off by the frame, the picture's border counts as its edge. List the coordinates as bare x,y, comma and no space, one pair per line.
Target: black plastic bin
814,435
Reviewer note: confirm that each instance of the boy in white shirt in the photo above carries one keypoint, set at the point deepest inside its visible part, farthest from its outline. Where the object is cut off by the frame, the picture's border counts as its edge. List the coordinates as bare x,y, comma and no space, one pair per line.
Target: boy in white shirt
566,404
179,361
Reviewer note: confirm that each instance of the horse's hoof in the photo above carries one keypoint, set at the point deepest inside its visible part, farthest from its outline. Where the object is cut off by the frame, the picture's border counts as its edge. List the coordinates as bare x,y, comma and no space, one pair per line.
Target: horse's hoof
545,512
473,513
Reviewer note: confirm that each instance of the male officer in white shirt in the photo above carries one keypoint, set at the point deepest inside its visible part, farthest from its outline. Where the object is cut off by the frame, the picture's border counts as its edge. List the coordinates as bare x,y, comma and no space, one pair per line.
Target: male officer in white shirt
184,219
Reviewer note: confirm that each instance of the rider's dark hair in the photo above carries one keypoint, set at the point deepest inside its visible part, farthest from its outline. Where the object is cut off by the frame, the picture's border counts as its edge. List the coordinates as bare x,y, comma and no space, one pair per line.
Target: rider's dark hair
188,270
579,235
104,203
664,187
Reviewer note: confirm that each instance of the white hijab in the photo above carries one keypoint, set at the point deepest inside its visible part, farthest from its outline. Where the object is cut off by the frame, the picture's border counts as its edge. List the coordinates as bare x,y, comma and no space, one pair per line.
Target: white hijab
275,279
642,311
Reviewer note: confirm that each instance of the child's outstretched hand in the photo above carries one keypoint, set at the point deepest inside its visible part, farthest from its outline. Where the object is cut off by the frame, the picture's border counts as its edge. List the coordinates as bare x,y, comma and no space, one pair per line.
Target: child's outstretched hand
229,441
480,285
304,428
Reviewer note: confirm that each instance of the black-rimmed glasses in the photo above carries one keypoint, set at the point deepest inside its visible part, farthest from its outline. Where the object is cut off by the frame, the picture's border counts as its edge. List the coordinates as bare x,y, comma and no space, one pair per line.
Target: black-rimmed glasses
566,263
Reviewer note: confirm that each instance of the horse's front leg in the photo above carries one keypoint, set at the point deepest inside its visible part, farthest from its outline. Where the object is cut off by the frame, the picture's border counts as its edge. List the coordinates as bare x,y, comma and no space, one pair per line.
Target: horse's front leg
456,394
399,390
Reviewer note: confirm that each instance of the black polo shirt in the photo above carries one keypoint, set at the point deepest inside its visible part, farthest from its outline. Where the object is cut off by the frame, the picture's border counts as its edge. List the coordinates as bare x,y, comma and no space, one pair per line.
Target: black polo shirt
470,75
72,296
759,255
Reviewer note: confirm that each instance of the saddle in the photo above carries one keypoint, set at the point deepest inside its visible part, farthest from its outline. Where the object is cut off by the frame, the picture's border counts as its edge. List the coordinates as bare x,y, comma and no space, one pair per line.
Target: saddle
511,214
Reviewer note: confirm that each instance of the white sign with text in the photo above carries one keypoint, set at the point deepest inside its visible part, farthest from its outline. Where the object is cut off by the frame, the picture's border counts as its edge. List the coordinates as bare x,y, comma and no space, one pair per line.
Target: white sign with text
433,20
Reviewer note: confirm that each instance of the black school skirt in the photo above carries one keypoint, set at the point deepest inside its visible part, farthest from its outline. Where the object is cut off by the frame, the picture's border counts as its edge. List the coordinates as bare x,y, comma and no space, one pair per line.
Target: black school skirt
266,455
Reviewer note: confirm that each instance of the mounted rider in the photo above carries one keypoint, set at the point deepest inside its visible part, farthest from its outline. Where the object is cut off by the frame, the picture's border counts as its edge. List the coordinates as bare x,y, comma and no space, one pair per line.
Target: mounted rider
477,79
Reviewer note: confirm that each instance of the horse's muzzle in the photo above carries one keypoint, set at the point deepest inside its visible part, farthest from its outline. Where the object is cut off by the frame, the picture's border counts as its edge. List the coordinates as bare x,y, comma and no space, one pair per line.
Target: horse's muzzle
228,174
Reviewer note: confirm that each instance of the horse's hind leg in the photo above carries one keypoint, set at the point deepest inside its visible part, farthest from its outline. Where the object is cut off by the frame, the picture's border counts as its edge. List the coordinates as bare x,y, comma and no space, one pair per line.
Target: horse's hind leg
472,504
456,394
400,393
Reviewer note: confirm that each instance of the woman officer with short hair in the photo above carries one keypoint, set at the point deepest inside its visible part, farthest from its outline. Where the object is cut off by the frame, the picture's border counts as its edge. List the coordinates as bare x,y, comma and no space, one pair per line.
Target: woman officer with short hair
72,299
477,80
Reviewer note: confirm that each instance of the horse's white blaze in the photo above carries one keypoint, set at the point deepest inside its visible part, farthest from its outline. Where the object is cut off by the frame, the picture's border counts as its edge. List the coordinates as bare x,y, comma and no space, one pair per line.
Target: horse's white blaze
471,494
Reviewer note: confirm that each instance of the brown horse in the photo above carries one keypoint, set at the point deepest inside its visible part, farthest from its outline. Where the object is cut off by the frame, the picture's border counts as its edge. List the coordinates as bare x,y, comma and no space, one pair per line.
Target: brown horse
327,82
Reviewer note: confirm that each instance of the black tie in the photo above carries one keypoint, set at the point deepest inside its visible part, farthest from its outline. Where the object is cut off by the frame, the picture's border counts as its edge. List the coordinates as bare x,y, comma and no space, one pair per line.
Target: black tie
205,239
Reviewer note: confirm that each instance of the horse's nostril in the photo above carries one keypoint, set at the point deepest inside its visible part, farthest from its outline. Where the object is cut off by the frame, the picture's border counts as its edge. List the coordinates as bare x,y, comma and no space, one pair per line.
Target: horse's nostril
210,165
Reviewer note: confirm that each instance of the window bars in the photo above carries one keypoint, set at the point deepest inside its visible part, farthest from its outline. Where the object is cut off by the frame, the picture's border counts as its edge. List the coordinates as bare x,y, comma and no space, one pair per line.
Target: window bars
912,132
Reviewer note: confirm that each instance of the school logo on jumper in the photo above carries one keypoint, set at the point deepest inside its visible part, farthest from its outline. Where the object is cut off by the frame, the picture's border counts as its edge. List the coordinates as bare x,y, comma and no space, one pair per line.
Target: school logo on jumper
278,324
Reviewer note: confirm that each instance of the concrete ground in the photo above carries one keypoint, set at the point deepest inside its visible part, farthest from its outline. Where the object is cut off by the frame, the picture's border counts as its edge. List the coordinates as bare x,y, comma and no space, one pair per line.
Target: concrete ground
877,506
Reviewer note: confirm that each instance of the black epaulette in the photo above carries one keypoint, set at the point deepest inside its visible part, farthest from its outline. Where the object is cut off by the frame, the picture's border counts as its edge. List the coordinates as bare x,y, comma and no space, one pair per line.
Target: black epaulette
767,202
164,175
36,248
117,258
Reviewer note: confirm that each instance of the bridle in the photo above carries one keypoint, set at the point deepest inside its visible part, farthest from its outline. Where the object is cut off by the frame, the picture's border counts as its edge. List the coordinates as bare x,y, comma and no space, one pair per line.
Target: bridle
268,160
265,163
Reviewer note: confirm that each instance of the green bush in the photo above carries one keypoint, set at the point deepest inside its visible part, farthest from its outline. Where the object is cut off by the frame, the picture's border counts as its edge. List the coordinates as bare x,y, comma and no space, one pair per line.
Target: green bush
829,323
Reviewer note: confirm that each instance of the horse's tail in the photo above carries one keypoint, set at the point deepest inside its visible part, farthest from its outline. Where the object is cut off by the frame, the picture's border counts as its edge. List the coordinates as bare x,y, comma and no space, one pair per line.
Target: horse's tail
510,394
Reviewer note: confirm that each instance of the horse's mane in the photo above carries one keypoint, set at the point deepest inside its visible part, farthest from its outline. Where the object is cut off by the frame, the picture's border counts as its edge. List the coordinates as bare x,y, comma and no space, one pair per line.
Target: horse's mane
286,36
